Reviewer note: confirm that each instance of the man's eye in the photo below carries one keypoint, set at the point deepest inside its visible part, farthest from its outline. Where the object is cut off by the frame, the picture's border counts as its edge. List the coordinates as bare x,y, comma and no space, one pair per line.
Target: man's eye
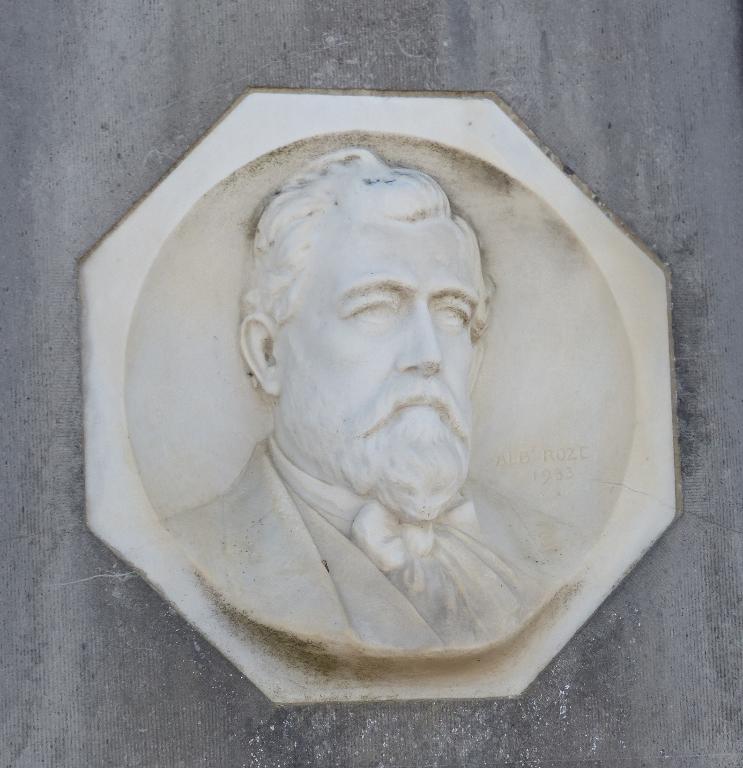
379,310
453,316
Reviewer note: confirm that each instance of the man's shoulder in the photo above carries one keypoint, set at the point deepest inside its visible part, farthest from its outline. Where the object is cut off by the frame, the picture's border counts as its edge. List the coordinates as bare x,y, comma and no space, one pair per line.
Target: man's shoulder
516,532
252,547
245,502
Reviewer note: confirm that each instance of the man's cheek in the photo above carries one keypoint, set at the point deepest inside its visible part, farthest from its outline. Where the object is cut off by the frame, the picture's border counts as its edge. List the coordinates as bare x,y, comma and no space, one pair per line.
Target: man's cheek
458,362
361,362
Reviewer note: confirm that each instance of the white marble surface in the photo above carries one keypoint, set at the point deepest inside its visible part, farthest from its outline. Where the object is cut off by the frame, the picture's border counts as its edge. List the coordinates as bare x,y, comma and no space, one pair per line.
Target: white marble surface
571,472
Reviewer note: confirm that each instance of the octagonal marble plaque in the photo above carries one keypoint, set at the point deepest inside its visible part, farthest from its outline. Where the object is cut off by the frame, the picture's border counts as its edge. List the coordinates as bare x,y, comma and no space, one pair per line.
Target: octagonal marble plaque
377,396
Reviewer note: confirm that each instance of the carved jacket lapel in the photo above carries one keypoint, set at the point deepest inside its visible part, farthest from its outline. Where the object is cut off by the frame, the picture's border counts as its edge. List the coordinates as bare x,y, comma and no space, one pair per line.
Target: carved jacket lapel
379,613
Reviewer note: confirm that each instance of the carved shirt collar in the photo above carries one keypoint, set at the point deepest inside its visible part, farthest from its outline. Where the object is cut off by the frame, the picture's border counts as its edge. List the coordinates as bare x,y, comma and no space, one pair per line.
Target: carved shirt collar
337,505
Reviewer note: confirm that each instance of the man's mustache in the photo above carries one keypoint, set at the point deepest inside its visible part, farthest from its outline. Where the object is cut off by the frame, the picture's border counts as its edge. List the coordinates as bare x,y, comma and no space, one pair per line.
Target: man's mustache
390,405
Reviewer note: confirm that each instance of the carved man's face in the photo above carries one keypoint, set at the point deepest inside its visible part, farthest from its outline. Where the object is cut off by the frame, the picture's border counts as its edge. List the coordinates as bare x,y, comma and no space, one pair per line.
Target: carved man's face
374,368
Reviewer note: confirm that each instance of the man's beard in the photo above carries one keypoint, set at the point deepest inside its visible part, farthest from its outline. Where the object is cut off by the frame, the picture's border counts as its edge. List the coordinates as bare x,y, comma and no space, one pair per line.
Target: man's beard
413,466
409,449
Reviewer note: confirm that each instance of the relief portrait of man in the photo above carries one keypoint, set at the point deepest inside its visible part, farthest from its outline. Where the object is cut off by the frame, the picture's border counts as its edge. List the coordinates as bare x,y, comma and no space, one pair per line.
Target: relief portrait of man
363,327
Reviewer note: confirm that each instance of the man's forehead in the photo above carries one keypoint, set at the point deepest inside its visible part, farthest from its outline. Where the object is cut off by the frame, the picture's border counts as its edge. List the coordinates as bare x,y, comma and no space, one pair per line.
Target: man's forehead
428,249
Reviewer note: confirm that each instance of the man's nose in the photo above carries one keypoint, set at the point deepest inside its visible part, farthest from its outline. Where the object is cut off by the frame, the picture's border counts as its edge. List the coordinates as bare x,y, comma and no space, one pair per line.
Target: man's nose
421,351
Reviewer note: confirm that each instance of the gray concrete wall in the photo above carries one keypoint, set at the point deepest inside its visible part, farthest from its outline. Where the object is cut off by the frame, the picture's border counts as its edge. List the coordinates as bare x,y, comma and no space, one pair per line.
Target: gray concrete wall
642,98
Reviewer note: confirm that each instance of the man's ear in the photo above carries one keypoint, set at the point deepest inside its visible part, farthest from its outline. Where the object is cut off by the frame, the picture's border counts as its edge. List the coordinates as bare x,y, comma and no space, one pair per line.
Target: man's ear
257,337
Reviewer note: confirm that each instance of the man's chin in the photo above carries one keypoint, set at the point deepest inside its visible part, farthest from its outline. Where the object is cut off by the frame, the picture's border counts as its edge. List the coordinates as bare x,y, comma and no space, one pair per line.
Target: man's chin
420,497
417,512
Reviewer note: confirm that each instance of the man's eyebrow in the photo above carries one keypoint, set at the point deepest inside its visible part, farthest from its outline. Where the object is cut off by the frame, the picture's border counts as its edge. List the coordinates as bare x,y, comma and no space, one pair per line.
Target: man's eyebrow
457,293
377,286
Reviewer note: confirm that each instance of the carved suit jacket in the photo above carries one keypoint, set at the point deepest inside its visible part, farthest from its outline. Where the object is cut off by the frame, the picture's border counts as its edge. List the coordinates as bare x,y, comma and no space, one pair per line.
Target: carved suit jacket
282,565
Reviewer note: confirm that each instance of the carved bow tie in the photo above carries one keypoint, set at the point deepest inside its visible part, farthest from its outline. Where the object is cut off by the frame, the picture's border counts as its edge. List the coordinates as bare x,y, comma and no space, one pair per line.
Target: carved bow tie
391,544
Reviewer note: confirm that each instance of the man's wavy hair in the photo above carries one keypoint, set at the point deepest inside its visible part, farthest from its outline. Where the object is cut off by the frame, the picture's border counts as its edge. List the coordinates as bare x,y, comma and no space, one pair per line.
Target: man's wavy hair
284,234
